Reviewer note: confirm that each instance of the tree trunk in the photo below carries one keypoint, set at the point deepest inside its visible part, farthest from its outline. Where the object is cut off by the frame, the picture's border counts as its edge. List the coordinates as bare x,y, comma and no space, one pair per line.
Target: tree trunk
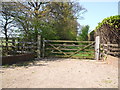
6,42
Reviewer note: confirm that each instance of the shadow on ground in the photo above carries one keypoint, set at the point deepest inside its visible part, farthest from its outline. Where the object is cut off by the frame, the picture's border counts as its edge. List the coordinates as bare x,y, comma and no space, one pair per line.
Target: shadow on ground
54,59
35,62
25,64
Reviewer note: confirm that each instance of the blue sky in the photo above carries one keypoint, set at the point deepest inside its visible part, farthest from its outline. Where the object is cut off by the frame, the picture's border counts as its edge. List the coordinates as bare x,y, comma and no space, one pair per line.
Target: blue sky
97,11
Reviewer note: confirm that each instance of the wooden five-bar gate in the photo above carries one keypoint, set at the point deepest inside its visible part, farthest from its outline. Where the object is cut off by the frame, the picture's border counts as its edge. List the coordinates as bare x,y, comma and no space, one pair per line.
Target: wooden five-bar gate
70,49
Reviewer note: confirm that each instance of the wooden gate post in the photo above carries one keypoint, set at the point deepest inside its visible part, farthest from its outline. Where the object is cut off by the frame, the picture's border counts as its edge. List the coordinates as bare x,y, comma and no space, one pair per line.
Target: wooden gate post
97,47
39,47
43,48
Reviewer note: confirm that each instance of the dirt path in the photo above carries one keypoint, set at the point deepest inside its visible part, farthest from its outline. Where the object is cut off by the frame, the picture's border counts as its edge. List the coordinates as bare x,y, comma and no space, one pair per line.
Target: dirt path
67,73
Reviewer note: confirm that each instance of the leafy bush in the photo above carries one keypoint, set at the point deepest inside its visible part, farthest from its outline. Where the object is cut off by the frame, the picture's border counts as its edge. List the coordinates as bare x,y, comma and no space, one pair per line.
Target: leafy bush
112,21
108,29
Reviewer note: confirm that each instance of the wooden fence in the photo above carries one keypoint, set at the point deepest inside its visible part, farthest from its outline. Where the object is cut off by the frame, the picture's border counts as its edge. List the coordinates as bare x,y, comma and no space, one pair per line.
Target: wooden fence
110,49
17,46
45,48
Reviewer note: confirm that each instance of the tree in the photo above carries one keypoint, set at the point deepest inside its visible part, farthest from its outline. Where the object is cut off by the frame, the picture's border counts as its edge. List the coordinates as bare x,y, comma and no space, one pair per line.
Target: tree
31,18
65,18
6,22
83,36
52,20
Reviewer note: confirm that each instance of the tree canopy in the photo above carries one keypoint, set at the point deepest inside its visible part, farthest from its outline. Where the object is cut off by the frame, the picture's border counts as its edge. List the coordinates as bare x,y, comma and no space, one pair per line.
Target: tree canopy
51,20
83,36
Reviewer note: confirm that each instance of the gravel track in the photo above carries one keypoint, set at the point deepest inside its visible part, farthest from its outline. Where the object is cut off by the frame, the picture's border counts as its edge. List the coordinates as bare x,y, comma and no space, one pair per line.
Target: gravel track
61,73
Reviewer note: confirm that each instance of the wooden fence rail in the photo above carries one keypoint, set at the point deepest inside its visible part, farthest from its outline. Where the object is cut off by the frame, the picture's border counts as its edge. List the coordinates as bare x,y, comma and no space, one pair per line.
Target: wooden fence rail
14,45
110,49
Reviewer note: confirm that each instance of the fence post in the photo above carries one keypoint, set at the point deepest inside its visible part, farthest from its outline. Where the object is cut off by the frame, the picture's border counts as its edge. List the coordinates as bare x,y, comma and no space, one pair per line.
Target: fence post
43,48
108,48
13,46
18,44
97,47
39,46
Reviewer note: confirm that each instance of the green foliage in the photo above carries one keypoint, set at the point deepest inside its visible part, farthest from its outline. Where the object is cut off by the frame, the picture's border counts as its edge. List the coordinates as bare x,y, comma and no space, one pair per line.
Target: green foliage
60,22
112,21
64,21
84,33
51,20
108,29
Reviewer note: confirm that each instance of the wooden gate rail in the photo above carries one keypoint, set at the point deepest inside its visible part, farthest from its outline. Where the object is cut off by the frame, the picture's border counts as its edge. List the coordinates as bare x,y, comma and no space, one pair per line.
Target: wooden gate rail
82,49
58,49
67,46
68,41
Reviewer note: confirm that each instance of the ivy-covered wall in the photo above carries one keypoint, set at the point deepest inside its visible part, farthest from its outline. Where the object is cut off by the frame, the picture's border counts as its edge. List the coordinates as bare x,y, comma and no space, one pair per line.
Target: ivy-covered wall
109,30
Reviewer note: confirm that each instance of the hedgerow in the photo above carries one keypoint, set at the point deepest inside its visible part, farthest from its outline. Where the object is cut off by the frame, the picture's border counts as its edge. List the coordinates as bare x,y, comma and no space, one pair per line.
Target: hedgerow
109,29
